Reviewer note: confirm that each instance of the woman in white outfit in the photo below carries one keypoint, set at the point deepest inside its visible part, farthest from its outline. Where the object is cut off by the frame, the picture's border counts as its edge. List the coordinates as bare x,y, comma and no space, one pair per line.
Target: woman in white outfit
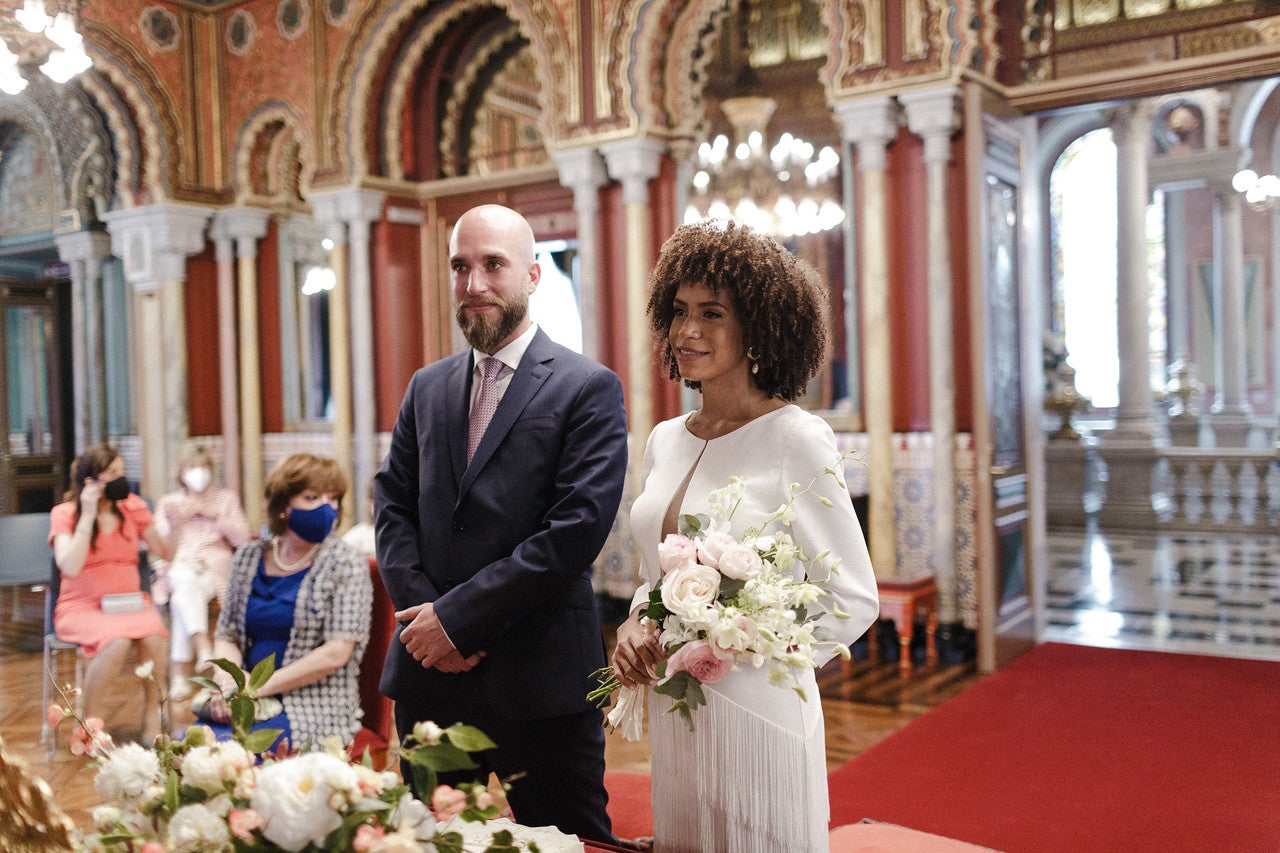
740,319
207,524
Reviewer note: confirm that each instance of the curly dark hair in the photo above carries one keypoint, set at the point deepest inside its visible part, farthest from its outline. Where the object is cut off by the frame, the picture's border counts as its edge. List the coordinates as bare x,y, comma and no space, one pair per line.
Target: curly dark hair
778,298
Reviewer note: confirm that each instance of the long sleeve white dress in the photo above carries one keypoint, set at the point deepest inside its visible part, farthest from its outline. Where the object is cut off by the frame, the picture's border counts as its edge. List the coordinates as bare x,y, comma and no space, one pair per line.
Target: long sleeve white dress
752,776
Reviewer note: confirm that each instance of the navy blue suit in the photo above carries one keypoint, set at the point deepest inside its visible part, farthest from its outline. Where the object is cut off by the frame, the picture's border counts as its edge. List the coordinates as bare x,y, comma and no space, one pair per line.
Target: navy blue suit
504,548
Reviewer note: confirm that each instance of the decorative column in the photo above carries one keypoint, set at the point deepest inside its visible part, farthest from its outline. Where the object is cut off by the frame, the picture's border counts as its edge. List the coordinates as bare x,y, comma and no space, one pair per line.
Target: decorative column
245,227
357,209
1230,415
934,114
1274,266
582,170
1129,450
154,242
84,251
871,124
635,162
228,396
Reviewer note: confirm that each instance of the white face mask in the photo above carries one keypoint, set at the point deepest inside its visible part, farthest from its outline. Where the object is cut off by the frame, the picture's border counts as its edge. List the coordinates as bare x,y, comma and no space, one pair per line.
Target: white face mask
197,479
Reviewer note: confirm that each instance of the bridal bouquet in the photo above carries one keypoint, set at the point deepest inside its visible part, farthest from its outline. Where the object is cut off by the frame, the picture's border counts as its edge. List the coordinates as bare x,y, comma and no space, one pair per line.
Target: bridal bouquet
725,602
199,795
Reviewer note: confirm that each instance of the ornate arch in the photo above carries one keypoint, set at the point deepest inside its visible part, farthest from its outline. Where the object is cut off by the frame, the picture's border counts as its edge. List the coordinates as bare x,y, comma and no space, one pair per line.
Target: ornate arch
272,142
20,114
383,24
126,90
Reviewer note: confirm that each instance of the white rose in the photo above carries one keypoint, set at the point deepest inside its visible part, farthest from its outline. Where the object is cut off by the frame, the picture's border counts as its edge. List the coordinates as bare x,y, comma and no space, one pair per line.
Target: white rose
740,562
427,733
711,546
676,551
209,768
292,796
126,772
689,591
198,829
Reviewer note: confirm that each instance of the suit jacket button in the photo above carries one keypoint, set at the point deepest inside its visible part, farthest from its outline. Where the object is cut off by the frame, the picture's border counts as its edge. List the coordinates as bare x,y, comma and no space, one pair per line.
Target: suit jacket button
457,527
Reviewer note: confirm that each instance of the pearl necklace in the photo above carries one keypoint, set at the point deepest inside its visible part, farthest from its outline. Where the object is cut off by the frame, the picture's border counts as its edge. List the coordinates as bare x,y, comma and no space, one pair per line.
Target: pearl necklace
290,568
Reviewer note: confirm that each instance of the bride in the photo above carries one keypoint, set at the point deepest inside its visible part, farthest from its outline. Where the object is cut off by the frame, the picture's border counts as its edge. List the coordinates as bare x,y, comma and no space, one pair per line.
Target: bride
745,323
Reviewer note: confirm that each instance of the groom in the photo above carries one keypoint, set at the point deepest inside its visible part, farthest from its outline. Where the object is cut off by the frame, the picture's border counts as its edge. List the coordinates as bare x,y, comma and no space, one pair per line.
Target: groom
503,479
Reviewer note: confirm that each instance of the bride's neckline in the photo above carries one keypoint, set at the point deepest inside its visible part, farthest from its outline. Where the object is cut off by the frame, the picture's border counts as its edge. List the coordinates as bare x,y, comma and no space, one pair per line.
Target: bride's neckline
742,426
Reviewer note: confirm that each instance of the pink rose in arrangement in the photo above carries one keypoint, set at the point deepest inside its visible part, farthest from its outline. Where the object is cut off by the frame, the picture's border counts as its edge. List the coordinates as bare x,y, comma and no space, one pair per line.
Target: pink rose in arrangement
367,837
152,847
676,551
712,546
740,562
701,661
243,822
447,802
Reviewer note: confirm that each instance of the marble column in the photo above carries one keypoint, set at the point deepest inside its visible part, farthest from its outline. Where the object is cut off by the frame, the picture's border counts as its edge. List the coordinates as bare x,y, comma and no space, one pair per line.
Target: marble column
1230,415
228,384
583,171
245,227
84,252
871,124
1274,267
154,242
934,115
1130,449
357,209
1131,127
635,162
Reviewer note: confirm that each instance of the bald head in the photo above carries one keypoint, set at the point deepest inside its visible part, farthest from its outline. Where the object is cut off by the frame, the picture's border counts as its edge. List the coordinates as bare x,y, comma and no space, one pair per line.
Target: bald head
496,225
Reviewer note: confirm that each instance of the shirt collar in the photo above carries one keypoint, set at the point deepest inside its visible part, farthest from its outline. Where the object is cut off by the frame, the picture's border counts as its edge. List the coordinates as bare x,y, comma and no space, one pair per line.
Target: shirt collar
512,353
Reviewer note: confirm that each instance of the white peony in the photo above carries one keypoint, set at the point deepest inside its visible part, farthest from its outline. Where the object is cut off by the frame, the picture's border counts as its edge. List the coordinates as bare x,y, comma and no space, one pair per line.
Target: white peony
126,773
198,829
292,796
689,591
210,768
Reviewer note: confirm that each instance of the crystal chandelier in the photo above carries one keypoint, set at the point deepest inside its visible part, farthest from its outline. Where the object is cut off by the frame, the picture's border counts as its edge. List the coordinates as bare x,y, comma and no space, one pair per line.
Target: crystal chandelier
787,190
30,36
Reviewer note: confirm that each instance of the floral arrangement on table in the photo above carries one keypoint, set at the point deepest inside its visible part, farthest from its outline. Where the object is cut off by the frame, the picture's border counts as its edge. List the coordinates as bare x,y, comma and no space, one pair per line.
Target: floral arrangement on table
200,795
724,602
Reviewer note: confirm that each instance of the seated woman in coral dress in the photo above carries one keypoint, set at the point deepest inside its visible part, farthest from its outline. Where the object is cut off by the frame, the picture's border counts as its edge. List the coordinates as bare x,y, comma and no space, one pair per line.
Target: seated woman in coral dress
303,596
95,536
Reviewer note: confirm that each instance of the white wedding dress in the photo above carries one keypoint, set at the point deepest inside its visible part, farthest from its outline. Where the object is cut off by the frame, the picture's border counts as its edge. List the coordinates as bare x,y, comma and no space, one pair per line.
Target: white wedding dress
752,776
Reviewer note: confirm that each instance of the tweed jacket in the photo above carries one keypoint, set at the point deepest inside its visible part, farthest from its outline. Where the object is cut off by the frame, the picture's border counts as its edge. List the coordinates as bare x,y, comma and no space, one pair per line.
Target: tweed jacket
334,603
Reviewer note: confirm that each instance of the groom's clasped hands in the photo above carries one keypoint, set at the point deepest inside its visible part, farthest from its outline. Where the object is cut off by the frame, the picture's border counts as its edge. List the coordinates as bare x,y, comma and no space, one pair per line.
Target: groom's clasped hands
425,639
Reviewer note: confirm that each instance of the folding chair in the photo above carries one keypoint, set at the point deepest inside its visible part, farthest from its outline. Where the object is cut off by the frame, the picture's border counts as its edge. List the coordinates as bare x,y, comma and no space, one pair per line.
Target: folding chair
53,648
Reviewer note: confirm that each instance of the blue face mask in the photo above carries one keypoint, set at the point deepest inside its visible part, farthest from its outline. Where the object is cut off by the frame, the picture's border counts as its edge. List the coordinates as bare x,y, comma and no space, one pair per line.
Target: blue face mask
312,525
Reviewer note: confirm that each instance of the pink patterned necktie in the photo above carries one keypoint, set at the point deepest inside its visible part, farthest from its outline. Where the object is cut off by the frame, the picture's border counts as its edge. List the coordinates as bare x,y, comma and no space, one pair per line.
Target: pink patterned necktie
486,403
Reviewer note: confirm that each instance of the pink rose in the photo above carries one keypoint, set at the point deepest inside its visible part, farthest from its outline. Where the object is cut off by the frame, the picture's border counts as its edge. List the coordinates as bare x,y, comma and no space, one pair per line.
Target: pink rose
243,822
676,551
711,546
447,802
740,562
152,847
699,660
367,837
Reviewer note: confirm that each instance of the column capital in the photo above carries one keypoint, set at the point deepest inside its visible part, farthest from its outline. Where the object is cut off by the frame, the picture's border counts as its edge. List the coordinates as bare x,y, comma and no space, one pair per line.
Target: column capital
634,162
245,225
154,241
1131,117
347,205
581,169
91,246
1210,167
934,115
871,124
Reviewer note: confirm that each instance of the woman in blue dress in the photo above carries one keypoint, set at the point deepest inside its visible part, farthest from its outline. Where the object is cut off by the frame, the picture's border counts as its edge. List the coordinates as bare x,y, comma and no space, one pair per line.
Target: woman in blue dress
303,596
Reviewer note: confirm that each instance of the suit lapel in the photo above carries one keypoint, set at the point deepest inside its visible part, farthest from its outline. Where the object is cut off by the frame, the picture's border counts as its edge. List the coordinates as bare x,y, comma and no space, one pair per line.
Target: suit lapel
458,403
534,369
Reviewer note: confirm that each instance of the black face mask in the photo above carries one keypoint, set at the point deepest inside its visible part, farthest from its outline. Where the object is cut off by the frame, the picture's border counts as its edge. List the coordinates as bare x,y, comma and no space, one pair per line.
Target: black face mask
117,489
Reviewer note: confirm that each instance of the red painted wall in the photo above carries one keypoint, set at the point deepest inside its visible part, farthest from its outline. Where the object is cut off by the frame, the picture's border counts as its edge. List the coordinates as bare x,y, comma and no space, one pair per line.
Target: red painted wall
908,284
268,308
397,311
201,310
957,202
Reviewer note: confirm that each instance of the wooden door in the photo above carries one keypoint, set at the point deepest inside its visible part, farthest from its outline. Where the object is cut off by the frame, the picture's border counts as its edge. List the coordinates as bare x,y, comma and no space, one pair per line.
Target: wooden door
32,425
1006,411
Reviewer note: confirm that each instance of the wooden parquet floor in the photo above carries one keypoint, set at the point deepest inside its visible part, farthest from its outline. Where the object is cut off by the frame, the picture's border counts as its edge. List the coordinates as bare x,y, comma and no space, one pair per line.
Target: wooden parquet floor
861,709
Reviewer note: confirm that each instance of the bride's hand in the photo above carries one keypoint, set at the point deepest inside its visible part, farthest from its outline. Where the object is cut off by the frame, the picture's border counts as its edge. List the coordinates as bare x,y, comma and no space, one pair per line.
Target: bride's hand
637,654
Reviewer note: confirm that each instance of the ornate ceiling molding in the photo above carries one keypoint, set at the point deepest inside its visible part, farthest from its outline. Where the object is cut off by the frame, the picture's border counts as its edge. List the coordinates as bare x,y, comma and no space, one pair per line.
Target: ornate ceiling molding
285,125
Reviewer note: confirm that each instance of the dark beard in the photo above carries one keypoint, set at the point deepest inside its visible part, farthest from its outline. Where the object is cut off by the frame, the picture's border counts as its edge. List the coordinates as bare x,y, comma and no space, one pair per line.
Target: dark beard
486,336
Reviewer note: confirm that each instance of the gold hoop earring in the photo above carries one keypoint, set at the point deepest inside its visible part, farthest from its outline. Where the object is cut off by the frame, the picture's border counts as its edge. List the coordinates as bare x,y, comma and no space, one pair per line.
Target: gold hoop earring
751,354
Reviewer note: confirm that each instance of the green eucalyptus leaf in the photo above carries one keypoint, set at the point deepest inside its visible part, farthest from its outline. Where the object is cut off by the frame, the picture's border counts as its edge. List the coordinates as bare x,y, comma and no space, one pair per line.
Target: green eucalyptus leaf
469,738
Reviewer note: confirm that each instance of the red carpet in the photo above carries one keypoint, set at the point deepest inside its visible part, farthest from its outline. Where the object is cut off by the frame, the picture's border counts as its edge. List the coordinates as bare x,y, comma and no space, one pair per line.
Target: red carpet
1074,749
629,805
